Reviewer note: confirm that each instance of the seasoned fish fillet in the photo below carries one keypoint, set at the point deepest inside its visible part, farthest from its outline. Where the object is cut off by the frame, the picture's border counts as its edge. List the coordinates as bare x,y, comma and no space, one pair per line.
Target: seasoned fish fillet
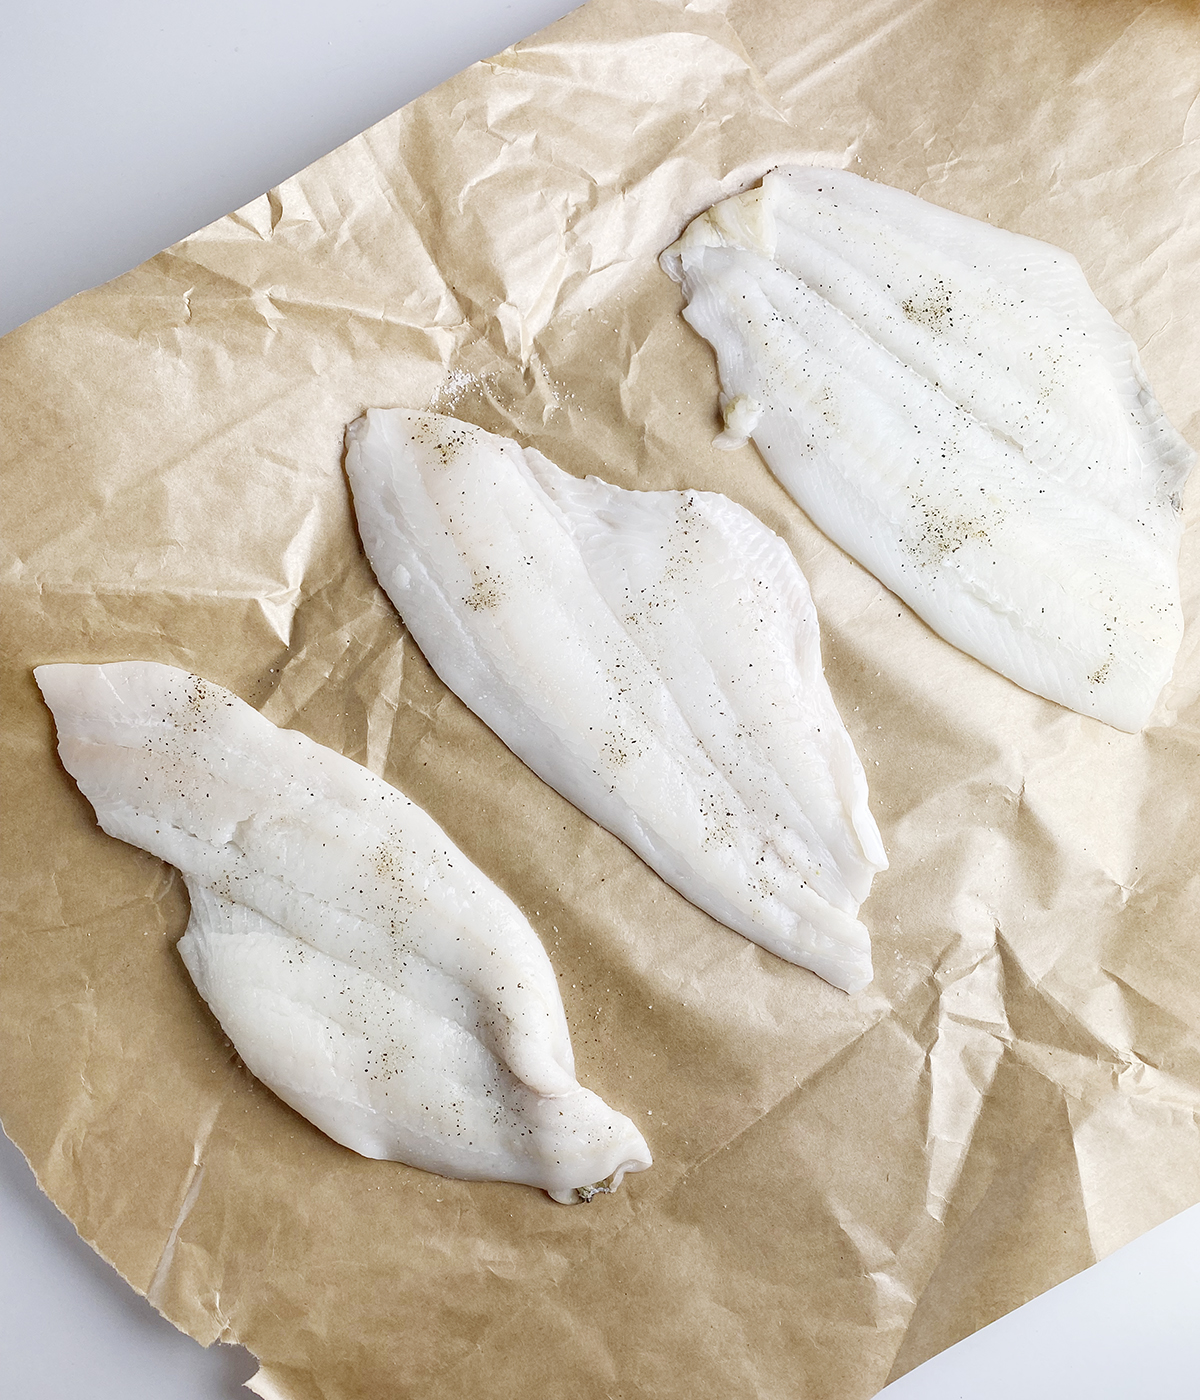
951,405
654,656
364,969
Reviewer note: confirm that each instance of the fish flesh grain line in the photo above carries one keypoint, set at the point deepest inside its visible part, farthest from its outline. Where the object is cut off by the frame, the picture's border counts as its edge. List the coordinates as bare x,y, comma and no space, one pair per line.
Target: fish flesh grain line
953,407
363,968
653,656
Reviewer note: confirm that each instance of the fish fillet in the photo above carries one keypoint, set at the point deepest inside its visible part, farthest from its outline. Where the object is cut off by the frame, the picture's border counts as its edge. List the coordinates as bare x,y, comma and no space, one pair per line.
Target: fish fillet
654,656
954,408
364,969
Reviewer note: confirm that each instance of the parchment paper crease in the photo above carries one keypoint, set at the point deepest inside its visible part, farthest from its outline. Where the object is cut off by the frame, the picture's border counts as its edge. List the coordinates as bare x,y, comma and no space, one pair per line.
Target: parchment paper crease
843,1186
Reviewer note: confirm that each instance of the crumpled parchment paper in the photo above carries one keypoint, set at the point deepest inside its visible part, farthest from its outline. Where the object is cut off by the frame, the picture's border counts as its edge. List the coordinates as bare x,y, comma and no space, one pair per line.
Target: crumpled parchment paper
842,1185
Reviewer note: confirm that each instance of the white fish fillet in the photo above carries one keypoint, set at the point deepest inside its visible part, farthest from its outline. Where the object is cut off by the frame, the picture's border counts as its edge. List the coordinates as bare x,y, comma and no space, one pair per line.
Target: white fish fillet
364,969
654,656
954,408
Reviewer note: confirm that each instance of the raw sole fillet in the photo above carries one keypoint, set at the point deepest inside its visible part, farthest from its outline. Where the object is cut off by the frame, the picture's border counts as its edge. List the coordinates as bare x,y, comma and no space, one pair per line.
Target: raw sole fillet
654,656
954,408
364,969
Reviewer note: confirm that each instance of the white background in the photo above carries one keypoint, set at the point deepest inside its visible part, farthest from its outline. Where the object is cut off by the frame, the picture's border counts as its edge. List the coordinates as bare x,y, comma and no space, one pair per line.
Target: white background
127,125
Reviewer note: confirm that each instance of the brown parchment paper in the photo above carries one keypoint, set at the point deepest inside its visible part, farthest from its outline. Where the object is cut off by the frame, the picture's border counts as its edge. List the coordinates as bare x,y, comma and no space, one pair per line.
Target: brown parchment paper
842,1185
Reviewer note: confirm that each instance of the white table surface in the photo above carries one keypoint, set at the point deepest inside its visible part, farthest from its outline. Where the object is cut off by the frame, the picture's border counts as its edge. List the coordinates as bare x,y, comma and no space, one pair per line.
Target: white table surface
128,125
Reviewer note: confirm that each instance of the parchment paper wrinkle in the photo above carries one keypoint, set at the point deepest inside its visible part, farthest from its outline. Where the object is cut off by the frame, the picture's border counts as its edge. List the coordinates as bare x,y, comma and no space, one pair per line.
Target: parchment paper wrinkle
842,1186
